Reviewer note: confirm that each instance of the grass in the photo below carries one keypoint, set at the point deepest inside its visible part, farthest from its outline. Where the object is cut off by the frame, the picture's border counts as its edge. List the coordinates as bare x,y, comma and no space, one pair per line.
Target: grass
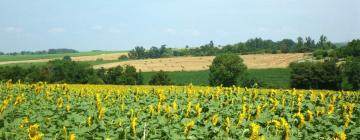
274,78
183,77
51,56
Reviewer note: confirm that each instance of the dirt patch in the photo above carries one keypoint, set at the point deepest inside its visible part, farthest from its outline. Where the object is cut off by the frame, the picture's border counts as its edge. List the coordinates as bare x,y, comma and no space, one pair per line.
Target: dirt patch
110,56
255,61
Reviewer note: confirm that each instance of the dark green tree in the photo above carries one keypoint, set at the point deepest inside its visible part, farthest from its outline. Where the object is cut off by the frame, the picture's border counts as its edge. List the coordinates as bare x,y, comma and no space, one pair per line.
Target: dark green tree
352,72
160,78
315,75
226,69
67,58
130,76
351,50
137,53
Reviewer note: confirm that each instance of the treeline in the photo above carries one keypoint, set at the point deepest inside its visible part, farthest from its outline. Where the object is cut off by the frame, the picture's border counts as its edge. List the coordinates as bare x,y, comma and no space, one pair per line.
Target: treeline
339,71
67,71
50,51
251,46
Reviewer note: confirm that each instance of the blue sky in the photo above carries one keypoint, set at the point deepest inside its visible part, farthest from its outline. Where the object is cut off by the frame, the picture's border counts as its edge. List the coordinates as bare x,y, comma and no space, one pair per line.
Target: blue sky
122,24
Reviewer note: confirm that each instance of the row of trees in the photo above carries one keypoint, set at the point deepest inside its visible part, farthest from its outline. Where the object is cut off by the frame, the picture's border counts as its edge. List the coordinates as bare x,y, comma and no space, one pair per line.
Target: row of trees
339,69
225,70
139,52
50,51
255,45
67,71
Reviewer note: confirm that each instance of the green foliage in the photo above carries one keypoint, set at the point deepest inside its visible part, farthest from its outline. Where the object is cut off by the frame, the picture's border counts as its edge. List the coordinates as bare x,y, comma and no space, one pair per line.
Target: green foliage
67,58
121,75
137,53
316,75
61,51
50,51
123,57
351,50
226,69
67,71
140,53
253,82
352,72
160,78
64,71
251,46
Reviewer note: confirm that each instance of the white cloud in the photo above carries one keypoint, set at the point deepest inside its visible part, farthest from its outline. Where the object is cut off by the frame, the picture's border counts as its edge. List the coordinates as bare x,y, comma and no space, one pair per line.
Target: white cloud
113,30
106,29
170,30
56,30
192,32
97,27
12,29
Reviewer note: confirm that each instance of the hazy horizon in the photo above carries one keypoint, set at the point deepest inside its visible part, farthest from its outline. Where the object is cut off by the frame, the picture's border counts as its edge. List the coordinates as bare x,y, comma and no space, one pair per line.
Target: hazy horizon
121,25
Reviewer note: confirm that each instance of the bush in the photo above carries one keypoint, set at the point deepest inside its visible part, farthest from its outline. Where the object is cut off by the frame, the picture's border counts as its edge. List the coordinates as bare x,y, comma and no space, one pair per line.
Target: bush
99,59
67,58
252,82
160,78
123,57
226,69
319,54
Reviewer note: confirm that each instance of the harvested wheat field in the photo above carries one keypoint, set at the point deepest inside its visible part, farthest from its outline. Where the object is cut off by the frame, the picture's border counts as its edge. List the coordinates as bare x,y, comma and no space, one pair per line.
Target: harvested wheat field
110,56
254,61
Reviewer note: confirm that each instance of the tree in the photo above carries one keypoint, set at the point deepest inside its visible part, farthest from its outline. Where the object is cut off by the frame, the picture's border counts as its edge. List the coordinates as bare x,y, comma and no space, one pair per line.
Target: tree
160,78
154,52
67,58
123,57
352,72
315,75
324,44
352,49
137,53
226,69
286,45
300,44
130,76
300,75
113,75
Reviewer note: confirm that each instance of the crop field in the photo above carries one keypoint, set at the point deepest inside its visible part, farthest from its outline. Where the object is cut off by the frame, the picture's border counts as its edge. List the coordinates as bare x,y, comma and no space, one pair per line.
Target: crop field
274,78
252,61
41,111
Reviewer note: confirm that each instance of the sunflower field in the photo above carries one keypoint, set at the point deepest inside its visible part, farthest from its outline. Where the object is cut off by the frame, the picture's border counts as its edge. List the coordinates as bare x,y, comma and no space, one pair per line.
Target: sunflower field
44,111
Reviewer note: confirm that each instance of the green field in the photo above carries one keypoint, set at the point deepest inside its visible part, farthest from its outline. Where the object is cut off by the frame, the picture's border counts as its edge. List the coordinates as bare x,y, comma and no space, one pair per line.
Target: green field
51,56
275,78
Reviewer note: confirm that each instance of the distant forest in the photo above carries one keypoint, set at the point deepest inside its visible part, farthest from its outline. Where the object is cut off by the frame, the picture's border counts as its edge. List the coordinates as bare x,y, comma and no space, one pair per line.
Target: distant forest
322,48
50,51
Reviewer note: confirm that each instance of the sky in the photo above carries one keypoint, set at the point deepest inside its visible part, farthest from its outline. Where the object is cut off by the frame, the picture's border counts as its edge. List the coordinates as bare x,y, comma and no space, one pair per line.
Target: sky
31,25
